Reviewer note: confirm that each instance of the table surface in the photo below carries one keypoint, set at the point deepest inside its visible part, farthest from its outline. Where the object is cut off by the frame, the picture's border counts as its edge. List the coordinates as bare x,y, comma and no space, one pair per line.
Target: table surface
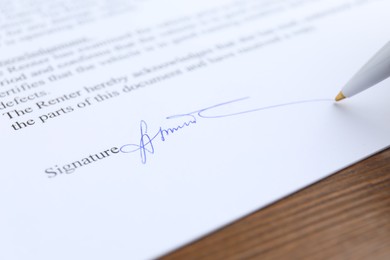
345,216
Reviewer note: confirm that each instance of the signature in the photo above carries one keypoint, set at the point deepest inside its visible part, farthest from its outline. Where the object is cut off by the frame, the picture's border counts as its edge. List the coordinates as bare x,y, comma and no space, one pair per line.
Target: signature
146,144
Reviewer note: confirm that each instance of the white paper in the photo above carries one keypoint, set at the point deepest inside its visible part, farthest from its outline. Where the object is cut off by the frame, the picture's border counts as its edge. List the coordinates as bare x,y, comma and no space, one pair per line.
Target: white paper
200,112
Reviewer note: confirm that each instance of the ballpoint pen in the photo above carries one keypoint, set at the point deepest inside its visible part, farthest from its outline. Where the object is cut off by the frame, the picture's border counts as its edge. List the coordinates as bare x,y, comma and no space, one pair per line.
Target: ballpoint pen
376,70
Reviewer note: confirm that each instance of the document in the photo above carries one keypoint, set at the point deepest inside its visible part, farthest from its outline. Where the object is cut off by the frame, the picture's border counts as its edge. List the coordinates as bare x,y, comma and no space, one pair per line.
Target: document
131,128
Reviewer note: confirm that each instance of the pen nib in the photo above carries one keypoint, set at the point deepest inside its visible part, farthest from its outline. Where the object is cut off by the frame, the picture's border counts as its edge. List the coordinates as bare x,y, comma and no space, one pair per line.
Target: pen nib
340,96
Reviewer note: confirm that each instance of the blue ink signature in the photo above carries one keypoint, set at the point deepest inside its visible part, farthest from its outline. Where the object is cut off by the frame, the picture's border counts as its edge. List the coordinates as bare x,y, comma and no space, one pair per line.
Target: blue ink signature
145,145
147,139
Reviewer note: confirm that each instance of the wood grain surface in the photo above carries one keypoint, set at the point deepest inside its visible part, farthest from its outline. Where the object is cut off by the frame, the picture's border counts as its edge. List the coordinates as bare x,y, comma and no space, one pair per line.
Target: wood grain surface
345,216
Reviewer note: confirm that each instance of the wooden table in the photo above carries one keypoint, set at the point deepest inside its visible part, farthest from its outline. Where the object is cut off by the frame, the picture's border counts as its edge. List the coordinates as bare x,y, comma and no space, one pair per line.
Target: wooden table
345,216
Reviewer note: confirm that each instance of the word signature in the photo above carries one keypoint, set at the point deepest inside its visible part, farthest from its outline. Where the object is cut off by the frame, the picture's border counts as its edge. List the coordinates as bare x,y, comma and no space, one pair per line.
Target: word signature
146,144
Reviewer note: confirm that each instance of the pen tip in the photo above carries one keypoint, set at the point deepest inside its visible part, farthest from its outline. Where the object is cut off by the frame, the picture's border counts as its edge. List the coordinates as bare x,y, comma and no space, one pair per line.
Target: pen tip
340,96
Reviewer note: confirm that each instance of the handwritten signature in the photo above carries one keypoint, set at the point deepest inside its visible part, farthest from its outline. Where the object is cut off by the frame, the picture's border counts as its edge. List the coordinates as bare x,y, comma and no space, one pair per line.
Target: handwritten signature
146,144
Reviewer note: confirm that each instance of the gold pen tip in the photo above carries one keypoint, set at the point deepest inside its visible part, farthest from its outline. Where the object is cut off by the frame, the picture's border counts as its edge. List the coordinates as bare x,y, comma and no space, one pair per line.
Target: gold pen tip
340,96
